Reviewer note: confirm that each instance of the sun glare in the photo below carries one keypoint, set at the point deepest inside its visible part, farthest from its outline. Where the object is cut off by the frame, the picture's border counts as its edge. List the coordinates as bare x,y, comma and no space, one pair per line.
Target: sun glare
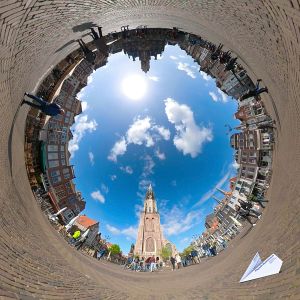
134,87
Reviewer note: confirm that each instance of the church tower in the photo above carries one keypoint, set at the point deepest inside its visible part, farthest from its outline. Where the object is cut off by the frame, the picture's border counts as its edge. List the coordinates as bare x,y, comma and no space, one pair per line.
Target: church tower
150,240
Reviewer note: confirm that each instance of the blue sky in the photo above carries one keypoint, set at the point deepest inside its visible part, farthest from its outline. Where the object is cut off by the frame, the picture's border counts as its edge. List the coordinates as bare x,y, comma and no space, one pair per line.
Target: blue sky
173,136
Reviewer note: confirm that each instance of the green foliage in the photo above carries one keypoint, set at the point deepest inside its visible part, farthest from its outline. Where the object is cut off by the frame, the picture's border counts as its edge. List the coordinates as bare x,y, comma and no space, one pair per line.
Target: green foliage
114,249
165,253
187,250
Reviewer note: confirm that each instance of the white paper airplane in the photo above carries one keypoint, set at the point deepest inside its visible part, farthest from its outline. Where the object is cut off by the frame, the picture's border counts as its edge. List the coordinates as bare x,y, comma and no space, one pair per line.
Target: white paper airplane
259,268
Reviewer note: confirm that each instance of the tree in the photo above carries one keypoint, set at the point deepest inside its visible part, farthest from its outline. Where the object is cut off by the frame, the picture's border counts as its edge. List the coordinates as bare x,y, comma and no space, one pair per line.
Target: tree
165,253
187,250
114,249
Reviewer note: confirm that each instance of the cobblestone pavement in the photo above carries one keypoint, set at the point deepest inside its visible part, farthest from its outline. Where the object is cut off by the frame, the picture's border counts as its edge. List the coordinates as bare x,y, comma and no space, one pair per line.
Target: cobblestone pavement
35,262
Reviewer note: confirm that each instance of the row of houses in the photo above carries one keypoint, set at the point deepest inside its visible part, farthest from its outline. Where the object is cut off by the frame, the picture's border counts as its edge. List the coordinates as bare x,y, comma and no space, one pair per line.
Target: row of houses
253,147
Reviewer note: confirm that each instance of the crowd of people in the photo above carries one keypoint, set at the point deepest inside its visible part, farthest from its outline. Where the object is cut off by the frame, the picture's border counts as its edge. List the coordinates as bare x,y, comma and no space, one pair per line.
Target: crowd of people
152,264
149,264
250,208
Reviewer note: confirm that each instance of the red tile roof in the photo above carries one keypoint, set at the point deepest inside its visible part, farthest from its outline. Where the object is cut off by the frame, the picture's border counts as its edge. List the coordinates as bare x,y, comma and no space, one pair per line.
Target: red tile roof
233,179
86,221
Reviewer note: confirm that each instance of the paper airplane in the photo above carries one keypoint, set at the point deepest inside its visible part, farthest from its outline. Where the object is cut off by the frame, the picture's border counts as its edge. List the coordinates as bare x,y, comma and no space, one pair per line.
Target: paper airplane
259,268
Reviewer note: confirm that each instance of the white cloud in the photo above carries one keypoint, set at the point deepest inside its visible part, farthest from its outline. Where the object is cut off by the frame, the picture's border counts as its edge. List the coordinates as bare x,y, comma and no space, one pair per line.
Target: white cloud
148,167
112,229
176,221
189,136
138,209
235,165
118,149
81,95
160,155
173,57
185,240
127,169
91,158
104,188
130,232
182,56
164,132
213,96
222,97
138,132
153,78
159,57
90,79
96,195
205,76
81,126
84,106
143,185
113,177
187,69
212,191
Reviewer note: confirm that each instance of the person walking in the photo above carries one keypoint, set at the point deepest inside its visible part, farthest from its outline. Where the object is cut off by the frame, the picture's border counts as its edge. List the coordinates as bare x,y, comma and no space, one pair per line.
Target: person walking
89,55
101,253
258,200
96,35
178,261
173,261
246,214
255,92
248,206
152,263
50,109
100,41
75,237
213,249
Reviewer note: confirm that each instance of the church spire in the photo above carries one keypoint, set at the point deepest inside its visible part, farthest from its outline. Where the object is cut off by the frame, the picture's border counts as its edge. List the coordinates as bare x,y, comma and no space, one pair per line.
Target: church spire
150,203
150,193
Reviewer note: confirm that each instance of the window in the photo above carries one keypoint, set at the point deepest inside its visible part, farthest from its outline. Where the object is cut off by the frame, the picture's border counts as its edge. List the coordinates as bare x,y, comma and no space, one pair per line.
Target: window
66,173
55,173
62,154
53,163
62,148
67,120
56,179
63,137
70,215
61,194
68,114
63,162
67,176
52,155
52,148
